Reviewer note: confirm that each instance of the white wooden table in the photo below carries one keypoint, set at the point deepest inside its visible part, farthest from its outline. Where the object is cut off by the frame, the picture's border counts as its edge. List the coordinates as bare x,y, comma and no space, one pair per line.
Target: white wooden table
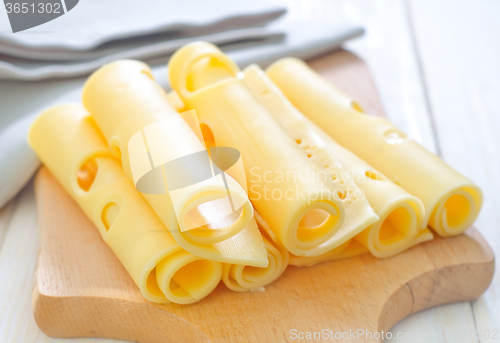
437,68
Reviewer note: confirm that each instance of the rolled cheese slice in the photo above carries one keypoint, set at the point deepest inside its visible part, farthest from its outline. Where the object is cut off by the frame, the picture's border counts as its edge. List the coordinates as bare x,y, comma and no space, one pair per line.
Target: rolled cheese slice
201,208
400,214
452,202
68,143
284,186
240,278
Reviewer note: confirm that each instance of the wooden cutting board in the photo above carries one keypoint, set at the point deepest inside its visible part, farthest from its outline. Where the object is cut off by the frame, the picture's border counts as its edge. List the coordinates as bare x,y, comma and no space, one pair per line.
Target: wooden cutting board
82,290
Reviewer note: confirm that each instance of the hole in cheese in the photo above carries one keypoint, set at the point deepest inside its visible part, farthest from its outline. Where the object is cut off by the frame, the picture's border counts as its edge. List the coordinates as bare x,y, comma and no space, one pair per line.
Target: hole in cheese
109,214
374,175
393,136
355,105
341,195
86,174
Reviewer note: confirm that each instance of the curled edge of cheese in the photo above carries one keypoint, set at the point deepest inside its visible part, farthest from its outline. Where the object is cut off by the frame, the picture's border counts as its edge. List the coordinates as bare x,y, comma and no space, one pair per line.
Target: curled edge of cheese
240,278
349,248
124,100
400,215
67,141
353,248
207,80
452,202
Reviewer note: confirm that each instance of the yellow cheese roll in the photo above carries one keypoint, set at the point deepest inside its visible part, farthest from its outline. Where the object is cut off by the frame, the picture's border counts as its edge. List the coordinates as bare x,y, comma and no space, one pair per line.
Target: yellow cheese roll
451,201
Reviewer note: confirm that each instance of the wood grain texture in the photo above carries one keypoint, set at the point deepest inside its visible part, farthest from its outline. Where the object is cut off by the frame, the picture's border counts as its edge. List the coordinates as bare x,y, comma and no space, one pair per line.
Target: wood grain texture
17,267
82,290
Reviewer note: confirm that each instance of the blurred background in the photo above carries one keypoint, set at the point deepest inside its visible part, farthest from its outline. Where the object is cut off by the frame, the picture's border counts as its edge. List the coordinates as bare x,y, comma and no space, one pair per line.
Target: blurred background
435,64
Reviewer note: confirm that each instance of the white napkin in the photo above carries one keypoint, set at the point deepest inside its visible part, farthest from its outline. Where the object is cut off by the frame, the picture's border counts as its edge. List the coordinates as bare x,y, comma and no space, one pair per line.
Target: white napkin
96,32
95,22
147,48
22,101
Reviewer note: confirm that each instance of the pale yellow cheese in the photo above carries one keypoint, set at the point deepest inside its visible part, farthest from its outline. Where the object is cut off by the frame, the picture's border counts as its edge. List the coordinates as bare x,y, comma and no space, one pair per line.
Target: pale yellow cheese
451,201
283,184
67,141
241,278
401,214
348,249
134,115
353,248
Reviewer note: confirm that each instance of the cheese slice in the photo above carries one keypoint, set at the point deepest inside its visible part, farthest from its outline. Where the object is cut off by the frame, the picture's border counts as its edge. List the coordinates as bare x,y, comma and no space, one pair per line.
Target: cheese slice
153,142
67,141
451,201
350,248
353,248
321,148
240,278
284,186
400,215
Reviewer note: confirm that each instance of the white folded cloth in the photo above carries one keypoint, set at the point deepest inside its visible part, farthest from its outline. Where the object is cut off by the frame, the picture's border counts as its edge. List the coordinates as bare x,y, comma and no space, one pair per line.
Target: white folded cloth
22,101
96,32
24,69
95,22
